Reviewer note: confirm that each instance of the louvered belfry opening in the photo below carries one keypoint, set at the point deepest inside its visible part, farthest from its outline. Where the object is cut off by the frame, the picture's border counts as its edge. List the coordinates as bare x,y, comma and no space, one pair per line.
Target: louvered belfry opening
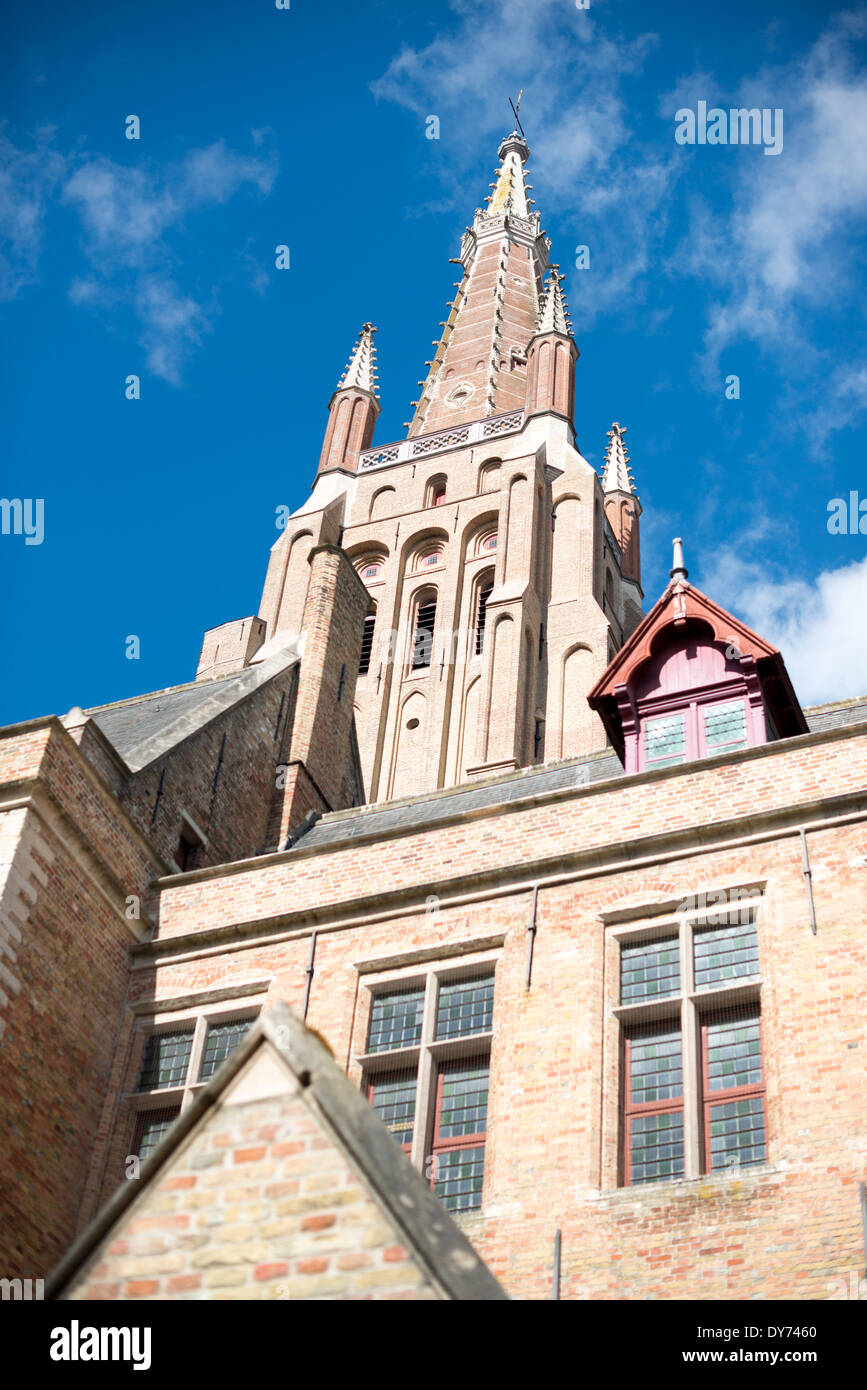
425,621
367,643
485,590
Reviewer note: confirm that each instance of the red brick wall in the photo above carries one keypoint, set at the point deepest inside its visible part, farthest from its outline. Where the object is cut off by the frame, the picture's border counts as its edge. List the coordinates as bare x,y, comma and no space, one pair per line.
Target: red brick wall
232,809
68,868
789,1228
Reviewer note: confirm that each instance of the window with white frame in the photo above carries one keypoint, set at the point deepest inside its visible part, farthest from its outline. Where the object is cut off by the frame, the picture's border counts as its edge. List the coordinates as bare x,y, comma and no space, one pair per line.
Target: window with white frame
177,1060
426,1068
692,1074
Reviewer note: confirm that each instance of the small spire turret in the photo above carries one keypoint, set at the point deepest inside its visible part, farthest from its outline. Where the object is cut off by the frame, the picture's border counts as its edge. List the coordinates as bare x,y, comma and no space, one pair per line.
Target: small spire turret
617,473
353,409
622,507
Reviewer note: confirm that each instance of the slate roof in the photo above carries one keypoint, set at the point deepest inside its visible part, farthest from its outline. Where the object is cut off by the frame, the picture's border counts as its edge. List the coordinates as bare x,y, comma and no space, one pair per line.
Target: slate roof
836,716
130,722
146,727
423,812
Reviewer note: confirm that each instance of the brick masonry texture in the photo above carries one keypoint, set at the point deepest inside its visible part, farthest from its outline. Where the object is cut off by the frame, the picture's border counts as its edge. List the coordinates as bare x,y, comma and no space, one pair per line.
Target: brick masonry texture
790,1228
260,1203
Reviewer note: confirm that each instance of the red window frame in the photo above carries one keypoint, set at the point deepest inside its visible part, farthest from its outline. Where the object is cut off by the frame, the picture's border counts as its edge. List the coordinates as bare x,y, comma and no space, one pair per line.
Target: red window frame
457,1141
670,1106
710,1098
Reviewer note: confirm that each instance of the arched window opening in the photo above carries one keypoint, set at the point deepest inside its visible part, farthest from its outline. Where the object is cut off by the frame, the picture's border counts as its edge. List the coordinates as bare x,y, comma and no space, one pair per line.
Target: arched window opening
435,493
489,475
425,622
485,590
367,642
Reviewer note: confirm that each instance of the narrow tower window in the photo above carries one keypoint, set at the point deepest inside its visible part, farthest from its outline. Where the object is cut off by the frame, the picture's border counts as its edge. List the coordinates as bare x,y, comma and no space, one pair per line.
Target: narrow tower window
481,615
435,493
425,621
367,643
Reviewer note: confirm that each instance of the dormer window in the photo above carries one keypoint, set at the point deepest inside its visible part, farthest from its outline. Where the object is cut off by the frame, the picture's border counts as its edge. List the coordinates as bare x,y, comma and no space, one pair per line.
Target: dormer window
693,682
665,740
697,732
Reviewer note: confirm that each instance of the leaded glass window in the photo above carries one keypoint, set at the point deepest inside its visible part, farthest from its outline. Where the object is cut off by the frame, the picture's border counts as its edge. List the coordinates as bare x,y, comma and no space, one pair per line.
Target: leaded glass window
665,740
153,1125
460,1124
656,1071
395,1020
725,726
657,1146
463,1107
654,1104
737,1133
725,953
465,1006
649,969
393,1098
734,1054
734,1091
458,1178
222,1040
166,1060
433,1093
700,1108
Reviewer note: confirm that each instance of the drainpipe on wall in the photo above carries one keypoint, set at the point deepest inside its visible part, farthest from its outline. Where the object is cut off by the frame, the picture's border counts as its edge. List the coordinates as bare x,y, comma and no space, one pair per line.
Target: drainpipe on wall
808,879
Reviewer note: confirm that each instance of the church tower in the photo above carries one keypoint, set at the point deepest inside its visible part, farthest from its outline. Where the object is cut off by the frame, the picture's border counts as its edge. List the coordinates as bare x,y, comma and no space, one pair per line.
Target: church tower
502,573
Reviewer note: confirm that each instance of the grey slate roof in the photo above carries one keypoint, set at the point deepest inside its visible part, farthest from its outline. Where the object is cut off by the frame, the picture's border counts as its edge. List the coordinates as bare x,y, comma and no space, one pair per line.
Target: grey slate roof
836,716
145,728
131,722
424,812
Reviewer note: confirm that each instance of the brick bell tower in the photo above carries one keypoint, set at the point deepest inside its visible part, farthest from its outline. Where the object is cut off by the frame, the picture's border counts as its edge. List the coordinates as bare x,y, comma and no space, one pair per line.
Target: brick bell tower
502,574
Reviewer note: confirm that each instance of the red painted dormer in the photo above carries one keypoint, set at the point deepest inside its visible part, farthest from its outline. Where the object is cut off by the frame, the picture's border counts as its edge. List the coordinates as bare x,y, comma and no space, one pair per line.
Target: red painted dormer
691,682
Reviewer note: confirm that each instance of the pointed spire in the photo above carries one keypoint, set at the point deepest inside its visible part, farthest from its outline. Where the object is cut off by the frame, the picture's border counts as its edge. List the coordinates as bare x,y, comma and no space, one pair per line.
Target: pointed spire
510,189
679,570
617,474
553,310
361,368
504,250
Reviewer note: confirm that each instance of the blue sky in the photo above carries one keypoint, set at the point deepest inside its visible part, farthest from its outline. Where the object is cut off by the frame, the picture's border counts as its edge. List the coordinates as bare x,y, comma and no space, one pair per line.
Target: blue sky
306,127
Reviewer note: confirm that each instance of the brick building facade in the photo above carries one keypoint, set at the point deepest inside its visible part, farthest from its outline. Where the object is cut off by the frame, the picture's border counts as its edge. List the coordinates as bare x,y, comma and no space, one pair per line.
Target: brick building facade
575,896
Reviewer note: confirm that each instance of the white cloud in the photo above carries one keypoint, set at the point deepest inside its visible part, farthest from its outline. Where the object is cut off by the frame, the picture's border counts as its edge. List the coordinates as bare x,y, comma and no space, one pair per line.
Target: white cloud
28,180
127,215
844,401
788,244
818,625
